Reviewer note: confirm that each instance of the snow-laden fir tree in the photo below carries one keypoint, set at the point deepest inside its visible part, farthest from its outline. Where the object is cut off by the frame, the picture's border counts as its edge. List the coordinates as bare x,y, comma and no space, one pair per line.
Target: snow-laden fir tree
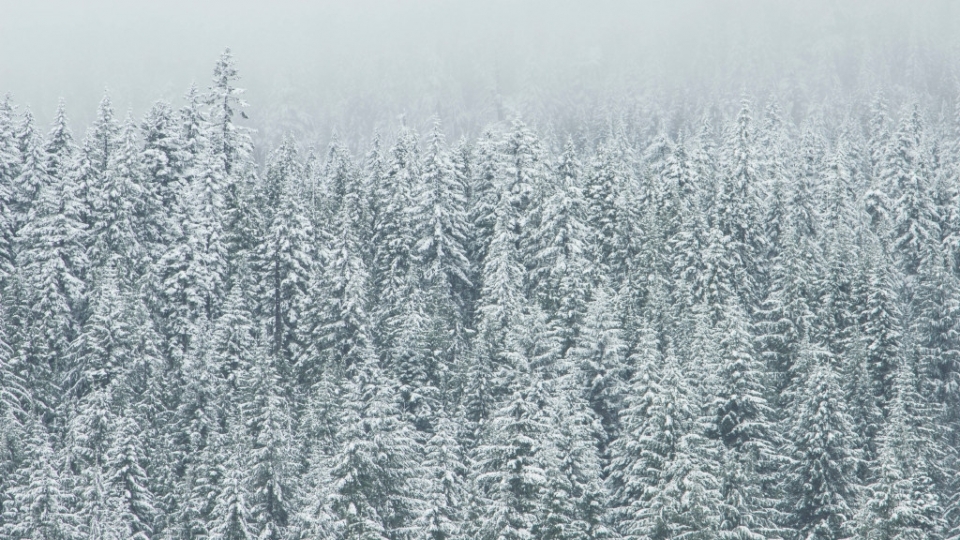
879,313
9,171
524,176
394,265
163,167
13,398
562,269
601,356
193,270
484,196
59,146
198,443
338,321
735,210
788,313
663,470
936,304
372,470
841,227
234,337
117,224
604,191
822,489
271,461
40,505
132,500
31,169
901,500
441,207
513,460
284,258
443,508
914,218
50,284
575,500
742,423
232,518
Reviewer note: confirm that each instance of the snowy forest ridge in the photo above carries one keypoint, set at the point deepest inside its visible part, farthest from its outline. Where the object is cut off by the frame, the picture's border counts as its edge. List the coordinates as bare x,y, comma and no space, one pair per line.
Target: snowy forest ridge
746,329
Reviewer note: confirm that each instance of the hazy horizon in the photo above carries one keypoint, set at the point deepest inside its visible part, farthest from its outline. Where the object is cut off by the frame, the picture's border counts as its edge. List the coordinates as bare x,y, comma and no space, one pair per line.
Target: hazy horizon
330,66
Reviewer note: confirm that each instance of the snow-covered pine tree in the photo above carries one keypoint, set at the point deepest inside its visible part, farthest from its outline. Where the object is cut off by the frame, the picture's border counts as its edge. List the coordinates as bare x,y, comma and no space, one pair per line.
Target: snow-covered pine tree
524,181
338,174
198,444
484,196
87,439
742,423
40,505
59,146
372,470
284,258
606,216
104,134
338,322
191,120
110,339
422,352
876,199
374,174
600,354
663,469
842,222
231,518
650,215
441,229
230,143
234,336
901,500
10,161
31,168
804,215
879,314
394,238
445,497
230,149
821,483
50,292
562,270
914,221
97,515
192,272
737,203
575,500
788,313
13,396
688,243
132,499
863,404
116,220
502,295
271,462
513,460
163,166
936,325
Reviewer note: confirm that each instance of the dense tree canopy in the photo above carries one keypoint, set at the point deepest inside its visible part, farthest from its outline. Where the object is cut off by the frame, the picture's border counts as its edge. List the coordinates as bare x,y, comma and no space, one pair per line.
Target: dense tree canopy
721,321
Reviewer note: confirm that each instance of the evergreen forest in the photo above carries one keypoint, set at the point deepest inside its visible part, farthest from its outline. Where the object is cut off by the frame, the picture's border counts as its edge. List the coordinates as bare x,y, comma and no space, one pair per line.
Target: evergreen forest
719,319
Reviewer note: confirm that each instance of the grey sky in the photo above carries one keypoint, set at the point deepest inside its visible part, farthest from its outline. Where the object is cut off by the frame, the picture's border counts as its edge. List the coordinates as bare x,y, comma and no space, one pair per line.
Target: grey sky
319,65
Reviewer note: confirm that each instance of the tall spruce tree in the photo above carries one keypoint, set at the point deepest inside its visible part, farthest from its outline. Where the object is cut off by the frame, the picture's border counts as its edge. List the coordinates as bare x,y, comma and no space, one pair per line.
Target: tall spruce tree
822,489
284,259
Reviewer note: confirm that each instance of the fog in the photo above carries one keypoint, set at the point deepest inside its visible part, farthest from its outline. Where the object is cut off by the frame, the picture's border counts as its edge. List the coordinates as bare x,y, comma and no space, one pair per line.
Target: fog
355,66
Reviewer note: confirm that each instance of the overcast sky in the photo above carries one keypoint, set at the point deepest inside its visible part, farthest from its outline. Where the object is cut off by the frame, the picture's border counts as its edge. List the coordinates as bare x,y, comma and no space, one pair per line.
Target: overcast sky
305,62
